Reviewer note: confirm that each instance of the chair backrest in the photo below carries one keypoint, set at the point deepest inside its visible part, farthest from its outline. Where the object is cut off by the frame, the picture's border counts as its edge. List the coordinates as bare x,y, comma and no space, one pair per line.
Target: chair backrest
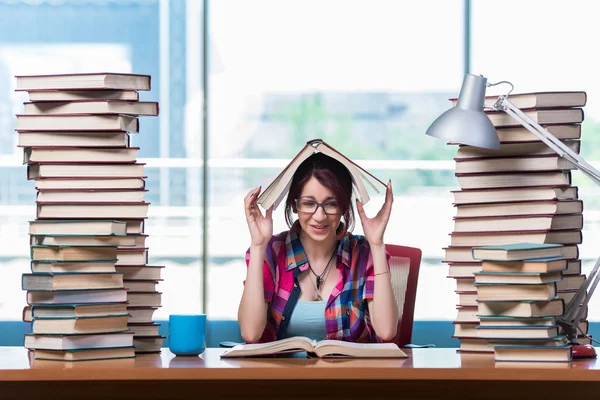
404,271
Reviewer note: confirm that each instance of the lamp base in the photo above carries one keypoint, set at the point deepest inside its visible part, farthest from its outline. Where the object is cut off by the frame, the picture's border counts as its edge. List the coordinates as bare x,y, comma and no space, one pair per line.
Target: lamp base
583,351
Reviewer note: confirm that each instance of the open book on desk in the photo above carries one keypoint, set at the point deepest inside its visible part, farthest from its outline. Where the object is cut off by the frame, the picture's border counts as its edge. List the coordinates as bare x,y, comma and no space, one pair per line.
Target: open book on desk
323,348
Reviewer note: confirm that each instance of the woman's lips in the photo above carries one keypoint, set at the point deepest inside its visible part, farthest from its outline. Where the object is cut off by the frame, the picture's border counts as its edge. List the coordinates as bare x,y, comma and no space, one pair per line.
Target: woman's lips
319,228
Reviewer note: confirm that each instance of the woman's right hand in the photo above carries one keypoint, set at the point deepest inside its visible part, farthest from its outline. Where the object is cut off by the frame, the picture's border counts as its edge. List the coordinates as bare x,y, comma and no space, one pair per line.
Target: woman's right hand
261,227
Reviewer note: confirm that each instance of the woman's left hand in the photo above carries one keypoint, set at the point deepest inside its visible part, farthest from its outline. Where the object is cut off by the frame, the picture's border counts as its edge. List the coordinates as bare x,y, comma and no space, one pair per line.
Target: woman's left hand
374,228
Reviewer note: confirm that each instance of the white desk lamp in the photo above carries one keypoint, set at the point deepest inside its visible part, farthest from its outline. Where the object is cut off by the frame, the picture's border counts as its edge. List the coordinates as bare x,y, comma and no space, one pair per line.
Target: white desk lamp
466,123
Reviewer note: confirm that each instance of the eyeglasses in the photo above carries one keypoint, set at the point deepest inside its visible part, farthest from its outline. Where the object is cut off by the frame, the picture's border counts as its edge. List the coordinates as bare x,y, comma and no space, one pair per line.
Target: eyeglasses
310,206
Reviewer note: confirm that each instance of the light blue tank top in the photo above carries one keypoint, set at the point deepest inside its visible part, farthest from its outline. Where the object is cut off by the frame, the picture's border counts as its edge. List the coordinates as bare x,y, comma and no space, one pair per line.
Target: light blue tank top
307,319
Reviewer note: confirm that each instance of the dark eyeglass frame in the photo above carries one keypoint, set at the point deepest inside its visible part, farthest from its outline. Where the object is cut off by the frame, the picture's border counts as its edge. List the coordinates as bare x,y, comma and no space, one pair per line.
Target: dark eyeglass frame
322,205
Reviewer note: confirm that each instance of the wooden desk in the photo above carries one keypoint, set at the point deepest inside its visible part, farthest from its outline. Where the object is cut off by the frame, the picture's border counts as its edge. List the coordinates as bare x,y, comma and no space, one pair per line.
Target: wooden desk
427,374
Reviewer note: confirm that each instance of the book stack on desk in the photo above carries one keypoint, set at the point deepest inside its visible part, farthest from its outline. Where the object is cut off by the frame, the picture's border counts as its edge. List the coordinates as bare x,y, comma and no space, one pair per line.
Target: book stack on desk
89,227
144,300
518,302
521,192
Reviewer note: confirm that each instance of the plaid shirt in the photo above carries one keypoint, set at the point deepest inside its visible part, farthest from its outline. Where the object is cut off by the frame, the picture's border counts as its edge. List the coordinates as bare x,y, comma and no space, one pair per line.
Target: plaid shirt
346,313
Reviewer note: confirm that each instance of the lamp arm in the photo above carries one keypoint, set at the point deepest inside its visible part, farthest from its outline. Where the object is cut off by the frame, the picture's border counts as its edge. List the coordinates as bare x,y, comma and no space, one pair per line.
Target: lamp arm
569,321
594,283
575,309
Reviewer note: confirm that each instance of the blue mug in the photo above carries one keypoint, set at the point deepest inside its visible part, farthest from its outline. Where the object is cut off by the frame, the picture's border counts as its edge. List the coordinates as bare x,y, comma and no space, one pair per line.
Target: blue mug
187,334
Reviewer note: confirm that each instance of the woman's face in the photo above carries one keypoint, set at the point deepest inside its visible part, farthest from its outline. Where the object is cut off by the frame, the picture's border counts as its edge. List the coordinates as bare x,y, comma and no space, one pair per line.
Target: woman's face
319,226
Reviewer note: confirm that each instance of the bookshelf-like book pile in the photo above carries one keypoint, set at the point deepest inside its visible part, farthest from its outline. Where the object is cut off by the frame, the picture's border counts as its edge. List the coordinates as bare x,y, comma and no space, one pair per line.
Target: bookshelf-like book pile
520,193
91,293
518,302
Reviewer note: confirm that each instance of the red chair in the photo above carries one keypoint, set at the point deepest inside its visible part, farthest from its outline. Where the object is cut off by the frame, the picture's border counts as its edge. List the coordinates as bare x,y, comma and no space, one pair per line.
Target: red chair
404,271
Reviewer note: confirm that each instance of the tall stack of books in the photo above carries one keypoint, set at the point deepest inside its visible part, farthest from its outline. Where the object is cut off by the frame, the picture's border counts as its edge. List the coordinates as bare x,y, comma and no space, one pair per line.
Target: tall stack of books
519,193
90,293
518,303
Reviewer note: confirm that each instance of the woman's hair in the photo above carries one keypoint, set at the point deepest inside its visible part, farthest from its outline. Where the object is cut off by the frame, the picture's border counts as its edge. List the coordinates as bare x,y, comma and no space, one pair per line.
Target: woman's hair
334,176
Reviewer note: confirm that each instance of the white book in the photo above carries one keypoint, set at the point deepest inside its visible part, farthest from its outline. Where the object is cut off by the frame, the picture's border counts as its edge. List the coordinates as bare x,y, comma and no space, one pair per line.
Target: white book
117,139
73,342
50,170
94,80
77,227
81,240
92,107
323,348
79,154
91,195
81,210
74,95
279,187
77,296
90,183
77,123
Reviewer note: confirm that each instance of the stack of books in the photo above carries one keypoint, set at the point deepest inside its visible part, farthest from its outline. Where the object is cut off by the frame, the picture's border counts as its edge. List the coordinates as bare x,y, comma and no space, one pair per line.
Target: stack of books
518,302
519,193
90,292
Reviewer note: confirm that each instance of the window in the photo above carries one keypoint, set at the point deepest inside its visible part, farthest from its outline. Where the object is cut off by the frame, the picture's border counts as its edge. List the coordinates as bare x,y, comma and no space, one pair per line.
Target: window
368,77
160,38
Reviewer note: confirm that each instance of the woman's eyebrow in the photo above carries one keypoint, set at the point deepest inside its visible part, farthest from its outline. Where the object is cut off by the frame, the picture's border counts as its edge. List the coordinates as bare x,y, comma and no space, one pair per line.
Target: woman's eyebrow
315,199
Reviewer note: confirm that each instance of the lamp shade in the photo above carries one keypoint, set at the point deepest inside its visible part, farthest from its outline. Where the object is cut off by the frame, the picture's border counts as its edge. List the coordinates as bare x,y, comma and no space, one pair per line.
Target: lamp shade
467,123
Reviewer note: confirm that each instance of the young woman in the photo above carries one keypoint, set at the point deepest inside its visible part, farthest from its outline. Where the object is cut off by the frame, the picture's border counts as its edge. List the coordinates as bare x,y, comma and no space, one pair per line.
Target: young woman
317,279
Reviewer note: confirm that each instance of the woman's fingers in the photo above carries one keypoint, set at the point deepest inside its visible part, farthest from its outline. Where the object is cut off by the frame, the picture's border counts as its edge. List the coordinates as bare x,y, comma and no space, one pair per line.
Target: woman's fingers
389,197
247,198
253,194
250,201
361,210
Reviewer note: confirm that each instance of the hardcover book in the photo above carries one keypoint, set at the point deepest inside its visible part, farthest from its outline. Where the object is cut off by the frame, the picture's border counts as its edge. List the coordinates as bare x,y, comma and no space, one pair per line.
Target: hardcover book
540,99
84,354
77,296
77,123
66,139
517,251
79,155
92,107
542,116
73,342
276,191
529,149
533,353
71,281
74,95
502,238
484,196
77,227
550,207
80,325
96,80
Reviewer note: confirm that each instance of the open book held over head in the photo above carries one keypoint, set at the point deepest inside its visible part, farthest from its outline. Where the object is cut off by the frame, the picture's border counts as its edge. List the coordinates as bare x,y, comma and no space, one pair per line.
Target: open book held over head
279,188
321,349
